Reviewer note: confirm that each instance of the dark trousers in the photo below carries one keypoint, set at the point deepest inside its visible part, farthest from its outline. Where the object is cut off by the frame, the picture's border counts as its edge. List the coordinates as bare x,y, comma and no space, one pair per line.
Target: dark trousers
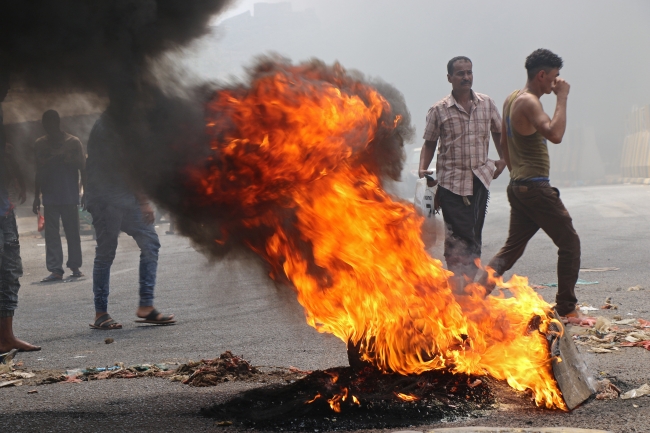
464,222
109,221
11,267
534,206
69,215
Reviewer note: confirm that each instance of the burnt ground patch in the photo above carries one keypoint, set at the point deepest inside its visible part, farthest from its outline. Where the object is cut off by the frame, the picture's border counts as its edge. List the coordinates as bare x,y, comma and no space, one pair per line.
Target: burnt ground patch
340,398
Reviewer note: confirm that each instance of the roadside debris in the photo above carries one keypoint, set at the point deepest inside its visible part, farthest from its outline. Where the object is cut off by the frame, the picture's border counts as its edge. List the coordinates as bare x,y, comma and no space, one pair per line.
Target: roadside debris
608,305
598,269
606,390
638,392
635,288
109,340
604,336
580,282
210,372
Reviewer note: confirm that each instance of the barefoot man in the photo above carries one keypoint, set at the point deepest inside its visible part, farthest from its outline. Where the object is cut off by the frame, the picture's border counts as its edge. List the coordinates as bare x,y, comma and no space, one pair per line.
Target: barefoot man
11,266
534,204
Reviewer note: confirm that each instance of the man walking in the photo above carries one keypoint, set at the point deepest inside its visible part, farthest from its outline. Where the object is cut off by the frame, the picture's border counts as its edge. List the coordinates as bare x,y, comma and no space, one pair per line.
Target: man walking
60,161
463,121
115,208
11,266
534,203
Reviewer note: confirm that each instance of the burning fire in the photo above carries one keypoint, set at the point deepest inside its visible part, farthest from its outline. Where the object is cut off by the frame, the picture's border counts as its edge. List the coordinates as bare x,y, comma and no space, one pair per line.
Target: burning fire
292,154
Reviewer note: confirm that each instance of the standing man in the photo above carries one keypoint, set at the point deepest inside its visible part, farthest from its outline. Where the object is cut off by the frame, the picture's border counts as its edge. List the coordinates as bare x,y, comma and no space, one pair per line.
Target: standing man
115,208
60,162
463,121
11,266
534,204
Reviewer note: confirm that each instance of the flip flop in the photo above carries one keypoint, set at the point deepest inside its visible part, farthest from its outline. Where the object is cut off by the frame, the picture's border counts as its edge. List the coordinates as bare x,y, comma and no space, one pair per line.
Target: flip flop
105,322
153,318
5,358
77,274
52,277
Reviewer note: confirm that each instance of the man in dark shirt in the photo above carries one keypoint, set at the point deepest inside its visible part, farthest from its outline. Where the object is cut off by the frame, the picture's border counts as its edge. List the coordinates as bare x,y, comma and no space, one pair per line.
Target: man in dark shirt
115,208
59,162
11,266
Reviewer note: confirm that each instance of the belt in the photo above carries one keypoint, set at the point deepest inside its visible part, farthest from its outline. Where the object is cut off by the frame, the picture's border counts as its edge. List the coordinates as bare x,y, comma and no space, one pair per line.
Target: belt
530,182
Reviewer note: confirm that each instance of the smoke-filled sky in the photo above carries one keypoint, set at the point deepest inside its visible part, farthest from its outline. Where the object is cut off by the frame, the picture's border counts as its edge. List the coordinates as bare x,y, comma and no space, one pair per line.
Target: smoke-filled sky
408,43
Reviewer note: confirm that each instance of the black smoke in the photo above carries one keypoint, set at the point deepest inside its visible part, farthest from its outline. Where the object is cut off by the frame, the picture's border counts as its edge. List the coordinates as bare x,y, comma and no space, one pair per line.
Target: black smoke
113,48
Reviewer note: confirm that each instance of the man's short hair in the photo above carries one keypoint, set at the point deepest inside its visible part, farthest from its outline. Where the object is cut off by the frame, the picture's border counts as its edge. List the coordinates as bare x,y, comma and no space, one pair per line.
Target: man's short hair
542,59
51,116
450,64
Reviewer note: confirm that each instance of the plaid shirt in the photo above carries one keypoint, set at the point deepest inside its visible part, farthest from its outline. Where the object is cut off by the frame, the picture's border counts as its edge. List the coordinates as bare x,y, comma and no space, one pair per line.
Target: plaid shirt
464,141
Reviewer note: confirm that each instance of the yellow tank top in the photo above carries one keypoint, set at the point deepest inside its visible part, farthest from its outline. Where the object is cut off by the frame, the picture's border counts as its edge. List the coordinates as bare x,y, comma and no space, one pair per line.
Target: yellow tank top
528,153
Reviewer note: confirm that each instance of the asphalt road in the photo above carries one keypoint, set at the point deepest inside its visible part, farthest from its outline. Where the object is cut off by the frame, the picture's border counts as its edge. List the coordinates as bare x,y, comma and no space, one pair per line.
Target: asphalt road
232,305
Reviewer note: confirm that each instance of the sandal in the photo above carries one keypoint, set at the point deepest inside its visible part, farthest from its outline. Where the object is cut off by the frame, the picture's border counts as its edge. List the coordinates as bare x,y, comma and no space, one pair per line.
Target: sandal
105,322
76,273
52,277
166,319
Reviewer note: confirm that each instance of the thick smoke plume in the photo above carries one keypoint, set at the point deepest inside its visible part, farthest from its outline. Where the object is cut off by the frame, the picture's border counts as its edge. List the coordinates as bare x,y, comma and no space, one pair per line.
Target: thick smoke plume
101,45
114,48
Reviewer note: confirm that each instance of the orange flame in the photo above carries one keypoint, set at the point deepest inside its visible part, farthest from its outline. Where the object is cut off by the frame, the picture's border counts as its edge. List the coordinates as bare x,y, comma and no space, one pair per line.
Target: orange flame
406,397
288,155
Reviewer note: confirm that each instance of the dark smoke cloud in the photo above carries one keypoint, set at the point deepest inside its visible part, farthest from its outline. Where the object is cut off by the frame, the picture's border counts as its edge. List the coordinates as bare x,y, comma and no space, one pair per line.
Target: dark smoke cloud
95,45
113,48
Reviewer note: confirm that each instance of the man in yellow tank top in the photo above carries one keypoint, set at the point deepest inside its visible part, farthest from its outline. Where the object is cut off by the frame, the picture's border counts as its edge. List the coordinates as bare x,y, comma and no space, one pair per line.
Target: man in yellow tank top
534,203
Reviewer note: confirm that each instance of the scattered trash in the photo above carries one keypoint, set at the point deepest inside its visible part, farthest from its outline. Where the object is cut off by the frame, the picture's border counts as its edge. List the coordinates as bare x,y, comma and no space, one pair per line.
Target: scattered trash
210,372
32,391
606,390
602,325
17,382
624,322
474,384
223,423
635,289
645,344
598,269
109,340
586,308
582,321
296,370
638,392
606,336
608,305
580,282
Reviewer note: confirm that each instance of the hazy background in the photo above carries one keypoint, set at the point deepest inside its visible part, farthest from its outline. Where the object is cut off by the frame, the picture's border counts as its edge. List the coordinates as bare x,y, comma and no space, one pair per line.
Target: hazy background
408,43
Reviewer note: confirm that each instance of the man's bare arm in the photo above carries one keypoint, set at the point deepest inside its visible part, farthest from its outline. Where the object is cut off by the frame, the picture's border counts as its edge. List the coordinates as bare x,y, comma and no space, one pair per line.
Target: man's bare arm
551,129
504,139
426,156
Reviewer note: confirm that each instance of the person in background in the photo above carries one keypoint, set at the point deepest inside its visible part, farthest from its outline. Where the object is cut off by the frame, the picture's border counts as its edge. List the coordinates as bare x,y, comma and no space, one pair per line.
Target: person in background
115,207
11,266
463,122
534,204
60,163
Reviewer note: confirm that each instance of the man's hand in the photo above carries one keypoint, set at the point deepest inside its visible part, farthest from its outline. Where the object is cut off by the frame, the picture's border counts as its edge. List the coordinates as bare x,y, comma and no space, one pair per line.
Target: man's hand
36,207
421,173
561,87
500,166
147,213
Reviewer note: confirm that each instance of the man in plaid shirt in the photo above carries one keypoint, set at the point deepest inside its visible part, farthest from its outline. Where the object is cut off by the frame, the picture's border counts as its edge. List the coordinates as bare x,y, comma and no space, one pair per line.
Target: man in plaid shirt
463,121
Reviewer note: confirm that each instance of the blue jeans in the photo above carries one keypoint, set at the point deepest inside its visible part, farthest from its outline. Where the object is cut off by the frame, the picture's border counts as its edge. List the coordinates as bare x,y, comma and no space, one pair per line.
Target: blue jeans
11,266
109,221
